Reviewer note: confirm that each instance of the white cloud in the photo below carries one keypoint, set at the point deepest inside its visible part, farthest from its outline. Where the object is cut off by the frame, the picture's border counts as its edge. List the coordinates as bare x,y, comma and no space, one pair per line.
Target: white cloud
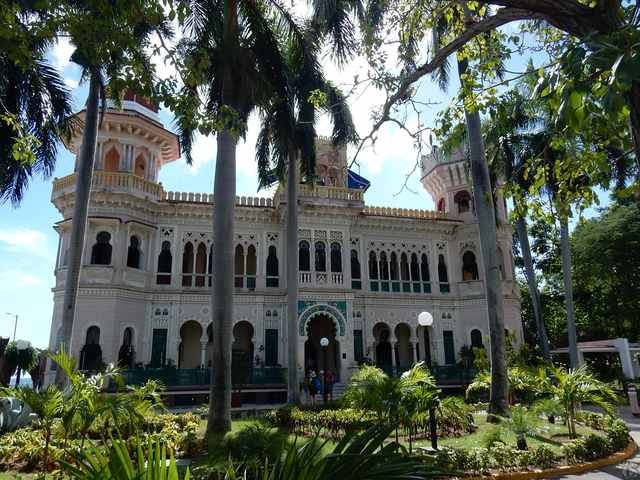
25,240
12,279
203,151
62,51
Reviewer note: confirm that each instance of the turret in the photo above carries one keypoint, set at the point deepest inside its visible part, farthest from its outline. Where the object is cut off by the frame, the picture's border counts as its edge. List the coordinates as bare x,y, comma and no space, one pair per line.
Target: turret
131,139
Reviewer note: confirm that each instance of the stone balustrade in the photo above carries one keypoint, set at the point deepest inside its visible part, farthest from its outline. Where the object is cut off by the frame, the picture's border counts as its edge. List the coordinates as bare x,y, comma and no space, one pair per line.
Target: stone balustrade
332,193
191,197
405,213
116,181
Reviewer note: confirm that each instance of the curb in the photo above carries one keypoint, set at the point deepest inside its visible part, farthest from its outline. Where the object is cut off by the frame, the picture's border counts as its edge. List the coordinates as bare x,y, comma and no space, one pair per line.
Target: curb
617,457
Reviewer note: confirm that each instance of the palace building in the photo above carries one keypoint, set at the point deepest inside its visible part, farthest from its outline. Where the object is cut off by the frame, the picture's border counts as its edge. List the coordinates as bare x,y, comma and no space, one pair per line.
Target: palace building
365,272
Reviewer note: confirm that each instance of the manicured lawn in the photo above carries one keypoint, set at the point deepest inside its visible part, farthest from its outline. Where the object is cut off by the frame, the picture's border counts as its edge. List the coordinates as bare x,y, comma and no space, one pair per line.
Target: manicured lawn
477,439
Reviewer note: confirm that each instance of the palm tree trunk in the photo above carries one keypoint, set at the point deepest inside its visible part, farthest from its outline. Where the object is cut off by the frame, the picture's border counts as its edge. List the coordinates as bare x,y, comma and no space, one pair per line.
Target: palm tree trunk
224,197
634,119
565,252
18,376
532,283
292,278
485,213
84,176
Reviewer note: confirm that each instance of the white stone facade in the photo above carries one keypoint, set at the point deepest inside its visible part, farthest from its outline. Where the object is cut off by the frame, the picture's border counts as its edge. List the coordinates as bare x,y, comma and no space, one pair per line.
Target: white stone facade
126,290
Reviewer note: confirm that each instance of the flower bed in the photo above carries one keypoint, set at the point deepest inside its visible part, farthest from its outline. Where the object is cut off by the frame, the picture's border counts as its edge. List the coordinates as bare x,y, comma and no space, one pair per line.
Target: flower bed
506,458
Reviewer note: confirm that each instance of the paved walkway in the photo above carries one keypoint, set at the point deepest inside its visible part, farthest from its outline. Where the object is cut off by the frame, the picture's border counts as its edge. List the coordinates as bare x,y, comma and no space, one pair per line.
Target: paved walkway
629,470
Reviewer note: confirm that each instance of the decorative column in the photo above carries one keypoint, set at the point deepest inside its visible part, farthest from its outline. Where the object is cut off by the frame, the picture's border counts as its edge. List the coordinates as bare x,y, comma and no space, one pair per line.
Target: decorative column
203,351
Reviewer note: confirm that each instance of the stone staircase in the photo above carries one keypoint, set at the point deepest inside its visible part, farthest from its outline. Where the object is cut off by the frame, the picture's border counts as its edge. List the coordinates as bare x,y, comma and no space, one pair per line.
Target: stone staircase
338,390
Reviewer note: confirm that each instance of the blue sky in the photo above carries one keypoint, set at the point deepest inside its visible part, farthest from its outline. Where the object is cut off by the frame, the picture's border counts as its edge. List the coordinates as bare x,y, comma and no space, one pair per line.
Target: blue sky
28,242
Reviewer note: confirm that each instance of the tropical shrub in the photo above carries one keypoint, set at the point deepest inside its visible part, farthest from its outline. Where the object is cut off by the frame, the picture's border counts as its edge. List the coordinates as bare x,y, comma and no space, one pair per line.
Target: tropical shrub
454,417
253,444
492,437
24,449
577,386
117,463
499,457
522,423
549,407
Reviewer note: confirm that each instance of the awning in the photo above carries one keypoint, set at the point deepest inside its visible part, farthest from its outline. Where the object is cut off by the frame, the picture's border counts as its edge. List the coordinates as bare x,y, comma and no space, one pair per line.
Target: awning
356,181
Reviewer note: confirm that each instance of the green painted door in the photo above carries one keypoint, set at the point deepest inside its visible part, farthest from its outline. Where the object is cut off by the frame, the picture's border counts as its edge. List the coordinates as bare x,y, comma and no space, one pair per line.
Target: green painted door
358,346
271,347
158,347
449,348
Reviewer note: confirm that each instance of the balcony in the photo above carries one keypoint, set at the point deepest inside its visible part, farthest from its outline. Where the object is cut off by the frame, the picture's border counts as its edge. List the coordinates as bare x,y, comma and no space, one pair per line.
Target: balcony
176,378
112,182
321,279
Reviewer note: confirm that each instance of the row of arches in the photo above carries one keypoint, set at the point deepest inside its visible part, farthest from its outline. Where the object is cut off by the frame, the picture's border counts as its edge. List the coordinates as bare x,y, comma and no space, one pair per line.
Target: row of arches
404,272
112,162
320,256
101,251
462,200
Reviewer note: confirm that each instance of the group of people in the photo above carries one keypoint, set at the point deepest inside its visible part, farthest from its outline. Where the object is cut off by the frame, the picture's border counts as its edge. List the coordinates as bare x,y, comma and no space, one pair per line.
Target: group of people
318,384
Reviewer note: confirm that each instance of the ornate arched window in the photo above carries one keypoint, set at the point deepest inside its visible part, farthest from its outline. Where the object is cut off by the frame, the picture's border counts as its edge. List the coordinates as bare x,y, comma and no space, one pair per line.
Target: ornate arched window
126,354
101,250
91,353
164,264
336,257
405,273
272,267
469,266
414,270
424,273
112,160
463,200
187,265
133,252
373,271
201,264
238,266
443,276
476,338
393,272
304,257
140,166
384,272
321,257
252,266
356,282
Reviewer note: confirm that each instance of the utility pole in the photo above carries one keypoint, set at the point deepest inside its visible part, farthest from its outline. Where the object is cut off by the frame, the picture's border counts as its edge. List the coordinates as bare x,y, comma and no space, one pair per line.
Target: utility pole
15,324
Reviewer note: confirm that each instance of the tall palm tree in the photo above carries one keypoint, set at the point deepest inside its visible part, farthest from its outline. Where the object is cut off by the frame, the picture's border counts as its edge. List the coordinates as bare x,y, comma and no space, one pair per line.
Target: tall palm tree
237,43
35,106
485,213
287,142
507,135
125,30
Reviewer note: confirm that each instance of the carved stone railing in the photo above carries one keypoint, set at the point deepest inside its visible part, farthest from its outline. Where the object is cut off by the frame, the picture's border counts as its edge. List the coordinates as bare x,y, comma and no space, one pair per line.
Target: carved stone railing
191,197
333,193
113,181
406,213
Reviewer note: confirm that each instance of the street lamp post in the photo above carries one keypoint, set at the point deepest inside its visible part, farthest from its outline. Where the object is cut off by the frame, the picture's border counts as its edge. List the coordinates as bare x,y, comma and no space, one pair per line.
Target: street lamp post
15,324
425,320
324,343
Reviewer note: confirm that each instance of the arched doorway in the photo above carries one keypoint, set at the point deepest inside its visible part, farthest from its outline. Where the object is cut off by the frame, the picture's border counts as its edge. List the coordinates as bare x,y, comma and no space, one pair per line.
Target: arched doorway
381,333
242,352
404,350
189,351
319,358
126,354
91,353
425,335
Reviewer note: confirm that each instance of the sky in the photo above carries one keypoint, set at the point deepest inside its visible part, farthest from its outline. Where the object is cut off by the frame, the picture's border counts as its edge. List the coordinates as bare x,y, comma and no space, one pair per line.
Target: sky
28,243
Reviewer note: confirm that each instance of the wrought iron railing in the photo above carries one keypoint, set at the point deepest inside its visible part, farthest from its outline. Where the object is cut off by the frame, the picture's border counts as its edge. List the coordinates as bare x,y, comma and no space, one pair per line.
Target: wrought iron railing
444,374
197,377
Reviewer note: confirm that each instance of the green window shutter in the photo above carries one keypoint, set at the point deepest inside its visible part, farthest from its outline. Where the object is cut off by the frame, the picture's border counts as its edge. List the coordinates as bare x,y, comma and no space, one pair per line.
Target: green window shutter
271,347
449,348
158,347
